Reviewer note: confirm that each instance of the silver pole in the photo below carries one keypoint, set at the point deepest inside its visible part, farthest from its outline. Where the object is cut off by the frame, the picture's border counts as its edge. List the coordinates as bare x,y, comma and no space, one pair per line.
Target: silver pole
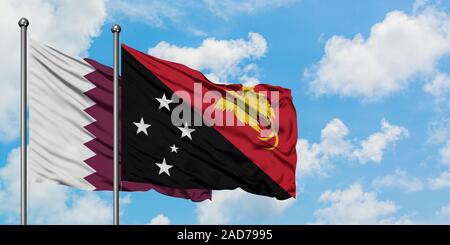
23,23
116,30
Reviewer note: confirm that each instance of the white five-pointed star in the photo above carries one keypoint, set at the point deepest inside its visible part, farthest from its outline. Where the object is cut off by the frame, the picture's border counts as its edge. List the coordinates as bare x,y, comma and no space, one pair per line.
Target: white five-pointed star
186,131
174,148
141,126
164,102
164,167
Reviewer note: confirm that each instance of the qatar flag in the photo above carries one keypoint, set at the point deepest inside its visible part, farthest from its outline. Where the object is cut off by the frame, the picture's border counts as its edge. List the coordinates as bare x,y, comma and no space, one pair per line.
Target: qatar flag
71,125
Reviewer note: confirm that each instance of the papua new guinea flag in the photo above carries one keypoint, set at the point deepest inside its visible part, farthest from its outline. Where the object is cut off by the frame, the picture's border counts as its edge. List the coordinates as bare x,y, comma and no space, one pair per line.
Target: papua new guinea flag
71,125
183,131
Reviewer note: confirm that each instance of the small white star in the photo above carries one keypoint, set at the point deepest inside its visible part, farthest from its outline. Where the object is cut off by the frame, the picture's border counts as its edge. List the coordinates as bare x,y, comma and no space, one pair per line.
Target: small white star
164,102
164,167
174,148
141,126
186,131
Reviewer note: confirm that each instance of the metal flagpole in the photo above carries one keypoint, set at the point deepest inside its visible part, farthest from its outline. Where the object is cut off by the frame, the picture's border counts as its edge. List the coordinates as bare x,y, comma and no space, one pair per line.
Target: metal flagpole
23,23
116,30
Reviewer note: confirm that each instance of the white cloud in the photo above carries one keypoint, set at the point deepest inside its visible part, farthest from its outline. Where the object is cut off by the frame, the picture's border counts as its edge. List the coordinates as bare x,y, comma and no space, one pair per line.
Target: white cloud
219,68
444,211
354,206
66,25
444,152
439,131
399,179
439,86
439,134
249,75
315,158
87,208
228,8
232,206
177,13
441,181
249,81
154,13
49,204
160,219
332,138
373,147
9,183
396,50
311,160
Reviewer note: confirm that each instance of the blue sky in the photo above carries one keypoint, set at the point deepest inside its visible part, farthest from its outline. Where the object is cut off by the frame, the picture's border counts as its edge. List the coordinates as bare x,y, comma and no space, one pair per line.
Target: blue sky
370,82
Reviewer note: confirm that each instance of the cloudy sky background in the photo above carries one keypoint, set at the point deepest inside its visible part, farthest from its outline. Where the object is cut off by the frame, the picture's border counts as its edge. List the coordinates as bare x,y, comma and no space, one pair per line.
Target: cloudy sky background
370,81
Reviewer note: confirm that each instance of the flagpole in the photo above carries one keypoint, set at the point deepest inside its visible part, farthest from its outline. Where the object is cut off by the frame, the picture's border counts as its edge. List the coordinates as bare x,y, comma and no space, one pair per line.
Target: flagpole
23,23
116,30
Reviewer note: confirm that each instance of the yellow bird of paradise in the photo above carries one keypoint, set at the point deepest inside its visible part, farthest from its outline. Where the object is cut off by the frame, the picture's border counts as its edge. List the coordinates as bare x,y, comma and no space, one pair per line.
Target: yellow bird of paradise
246,106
